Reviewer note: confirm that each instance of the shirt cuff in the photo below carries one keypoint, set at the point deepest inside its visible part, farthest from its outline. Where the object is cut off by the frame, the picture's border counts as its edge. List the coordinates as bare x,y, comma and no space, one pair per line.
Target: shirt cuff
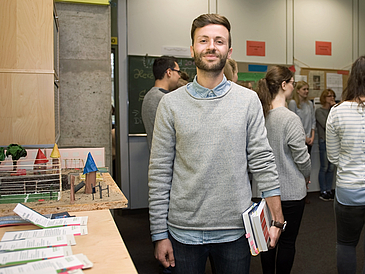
272,192
159,236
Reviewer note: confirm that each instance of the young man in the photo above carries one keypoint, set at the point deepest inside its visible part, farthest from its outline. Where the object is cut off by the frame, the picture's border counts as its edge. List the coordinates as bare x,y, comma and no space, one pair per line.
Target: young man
207,136
167,74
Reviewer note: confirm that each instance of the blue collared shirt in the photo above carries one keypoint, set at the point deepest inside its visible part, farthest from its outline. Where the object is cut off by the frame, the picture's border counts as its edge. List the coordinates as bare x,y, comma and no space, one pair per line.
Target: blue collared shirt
197,237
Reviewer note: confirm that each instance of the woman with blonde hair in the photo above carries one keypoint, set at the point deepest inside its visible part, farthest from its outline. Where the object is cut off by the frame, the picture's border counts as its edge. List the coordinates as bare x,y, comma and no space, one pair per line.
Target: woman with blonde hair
231,70
304,108
325,175
287,139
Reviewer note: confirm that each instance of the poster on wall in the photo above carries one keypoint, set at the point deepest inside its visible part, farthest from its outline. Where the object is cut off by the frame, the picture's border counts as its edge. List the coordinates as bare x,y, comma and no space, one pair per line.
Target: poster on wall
323,48
255,48
316,83
334,82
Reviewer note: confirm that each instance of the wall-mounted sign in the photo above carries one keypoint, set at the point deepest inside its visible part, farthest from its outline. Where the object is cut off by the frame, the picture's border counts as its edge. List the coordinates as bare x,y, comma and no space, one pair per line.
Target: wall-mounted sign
323,48
255,48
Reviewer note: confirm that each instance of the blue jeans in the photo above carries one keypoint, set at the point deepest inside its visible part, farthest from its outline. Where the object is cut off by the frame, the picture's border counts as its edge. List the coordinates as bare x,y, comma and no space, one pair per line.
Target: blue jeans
230,258
349,222
280,259
326,171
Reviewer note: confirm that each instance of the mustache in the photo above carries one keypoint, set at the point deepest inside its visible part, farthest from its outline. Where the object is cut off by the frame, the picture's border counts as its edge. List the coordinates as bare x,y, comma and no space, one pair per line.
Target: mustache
213,51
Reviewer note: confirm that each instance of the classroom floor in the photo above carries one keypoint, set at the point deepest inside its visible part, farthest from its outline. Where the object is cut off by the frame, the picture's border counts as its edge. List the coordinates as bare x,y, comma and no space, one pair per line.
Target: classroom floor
316,243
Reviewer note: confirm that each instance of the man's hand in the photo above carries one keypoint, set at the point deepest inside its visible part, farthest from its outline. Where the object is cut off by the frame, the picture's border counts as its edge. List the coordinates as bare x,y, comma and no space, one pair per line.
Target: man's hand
274,204
274,233
164,253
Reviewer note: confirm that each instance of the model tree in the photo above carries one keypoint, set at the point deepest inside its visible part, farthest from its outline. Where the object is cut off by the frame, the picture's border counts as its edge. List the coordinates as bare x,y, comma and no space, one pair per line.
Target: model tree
16,151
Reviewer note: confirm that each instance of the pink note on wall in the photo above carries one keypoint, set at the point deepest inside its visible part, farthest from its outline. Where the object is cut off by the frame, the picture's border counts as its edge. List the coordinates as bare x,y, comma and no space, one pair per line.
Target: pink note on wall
255,48
323,48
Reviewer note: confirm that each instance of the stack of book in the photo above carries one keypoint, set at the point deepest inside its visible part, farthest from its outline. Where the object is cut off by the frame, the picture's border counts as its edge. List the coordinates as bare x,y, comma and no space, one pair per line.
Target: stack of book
46,250
257,220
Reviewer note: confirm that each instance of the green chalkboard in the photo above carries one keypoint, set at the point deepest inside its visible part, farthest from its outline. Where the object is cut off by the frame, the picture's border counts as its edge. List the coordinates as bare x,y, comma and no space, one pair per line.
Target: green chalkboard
140,81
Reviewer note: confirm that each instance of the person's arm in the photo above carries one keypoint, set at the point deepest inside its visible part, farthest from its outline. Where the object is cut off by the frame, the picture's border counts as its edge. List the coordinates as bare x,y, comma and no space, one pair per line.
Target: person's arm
274,204
295,138
262,165
310,140
292,106
313,119
321,117
159,182
333,144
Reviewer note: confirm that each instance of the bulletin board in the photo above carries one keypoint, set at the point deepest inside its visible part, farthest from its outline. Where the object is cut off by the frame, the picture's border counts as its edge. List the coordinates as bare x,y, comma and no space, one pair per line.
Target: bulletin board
320,79
253,72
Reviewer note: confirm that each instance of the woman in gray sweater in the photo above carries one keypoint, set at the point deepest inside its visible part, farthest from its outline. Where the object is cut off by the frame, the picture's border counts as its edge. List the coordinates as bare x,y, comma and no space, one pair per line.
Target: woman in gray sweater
287,138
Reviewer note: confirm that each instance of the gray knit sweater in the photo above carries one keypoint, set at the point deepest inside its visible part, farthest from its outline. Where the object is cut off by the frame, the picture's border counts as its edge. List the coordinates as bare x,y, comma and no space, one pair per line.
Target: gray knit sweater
201,152
149,108
321,119
287,139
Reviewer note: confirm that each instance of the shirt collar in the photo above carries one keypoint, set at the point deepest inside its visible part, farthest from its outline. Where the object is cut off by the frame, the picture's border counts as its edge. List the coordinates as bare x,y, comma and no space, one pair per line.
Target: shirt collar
198,91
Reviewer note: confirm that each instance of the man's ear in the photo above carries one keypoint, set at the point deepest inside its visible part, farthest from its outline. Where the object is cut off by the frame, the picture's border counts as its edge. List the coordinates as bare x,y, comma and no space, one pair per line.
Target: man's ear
229,53
168,72
191,51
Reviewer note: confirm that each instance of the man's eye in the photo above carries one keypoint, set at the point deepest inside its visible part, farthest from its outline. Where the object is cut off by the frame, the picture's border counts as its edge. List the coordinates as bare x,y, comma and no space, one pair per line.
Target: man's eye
219,42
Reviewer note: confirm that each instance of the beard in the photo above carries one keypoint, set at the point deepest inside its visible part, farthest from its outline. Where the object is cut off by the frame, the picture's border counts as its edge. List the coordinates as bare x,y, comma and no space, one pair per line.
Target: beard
210,67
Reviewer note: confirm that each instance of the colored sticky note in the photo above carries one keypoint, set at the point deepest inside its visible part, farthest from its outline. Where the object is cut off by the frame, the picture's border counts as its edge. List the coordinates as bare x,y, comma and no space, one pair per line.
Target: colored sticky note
344,72
323,48
255,48
248,235
257,68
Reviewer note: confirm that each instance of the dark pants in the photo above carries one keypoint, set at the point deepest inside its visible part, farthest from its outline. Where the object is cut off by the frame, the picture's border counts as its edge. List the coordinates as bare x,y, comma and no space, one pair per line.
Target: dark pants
349,221
281,257
326,171
230,258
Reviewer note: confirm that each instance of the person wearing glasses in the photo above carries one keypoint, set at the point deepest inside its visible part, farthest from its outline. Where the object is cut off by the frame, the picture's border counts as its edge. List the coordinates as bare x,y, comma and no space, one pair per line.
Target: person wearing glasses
325,175
345,140
287,139
167,74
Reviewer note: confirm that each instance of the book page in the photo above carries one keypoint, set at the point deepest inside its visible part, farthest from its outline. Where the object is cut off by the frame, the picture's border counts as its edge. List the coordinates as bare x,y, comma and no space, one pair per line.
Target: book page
33,243
40,233
38,219
24,256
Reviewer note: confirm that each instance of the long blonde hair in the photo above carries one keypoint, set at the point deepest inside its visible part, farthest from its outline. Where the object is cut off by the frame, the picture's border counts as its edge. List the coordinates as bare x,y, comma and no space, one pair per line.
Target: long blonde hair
230,69
298,86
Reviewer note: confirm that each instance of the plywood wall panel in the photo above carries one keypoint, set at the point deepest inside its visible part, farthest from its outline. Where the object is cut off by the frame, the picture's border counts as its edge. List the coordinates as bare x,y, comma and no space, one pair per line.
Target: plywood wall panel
35,34
8,17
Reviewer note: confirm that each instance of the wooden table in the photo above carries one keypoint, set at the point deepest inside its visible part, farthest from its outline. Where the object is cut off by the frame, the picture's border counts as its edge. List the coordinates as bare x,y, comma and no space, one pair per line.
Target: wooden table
83,202
103,244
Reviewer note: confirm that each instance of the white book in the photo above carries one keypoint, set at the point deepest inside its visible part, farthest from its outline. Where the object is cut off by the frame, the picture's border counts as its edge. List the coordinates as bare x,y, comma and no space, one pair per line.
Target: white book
249,230
261,220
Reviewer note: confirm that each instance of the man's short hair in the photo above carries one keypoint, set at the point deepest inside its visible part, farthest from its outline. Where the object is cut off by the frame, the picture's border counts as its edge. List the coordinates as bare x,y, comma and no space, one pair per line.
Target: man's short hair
161,64
208,19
